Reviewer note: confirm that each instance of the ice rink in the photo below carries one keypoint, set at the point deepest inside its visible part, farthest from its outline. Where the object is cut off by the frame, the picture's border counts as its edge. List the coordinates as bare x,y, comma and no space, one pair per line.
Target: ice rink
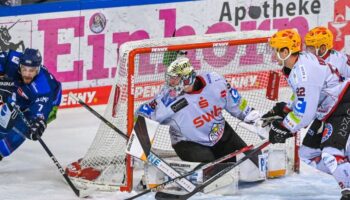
29,174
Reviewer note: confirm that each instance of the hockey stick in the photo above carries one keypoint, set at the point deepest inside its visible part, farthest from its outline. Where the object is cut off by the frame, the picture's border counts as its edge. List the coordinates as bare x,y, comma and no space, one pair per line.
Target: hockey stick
204,166
169,196
152,157
79,193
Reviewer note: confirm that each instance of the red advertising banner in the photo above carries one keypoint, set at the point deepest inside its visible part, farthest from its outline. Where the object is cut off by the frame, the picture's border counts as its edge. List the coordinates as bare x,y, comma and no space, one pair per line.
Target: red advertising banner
92,96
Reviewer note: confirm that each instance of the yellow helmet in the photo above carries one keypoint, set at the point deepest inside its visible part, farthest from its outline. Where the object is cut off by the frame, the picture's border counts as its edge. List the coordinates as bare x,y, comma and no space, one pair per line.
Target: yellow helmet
287,38
319,36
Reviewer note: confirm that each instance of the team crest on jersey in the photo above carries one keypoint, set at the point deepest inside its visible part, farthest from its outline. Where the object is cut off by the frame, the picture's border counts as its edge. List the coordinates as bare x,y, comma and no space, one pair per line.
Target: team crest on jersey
217,130
328,130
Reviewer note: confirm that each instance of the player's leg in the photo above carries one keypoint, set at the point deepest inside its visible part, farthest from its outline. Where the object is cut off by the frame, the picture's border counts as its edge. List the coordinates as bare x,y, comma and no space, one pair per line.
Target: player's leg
334,141
193,152
10,143
310,151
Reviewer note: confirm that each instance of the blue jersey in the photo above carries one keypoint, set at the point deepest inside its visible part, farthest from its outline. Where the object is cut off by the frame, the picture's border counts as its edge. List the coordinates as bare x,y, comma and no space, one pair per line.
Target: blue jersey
37,98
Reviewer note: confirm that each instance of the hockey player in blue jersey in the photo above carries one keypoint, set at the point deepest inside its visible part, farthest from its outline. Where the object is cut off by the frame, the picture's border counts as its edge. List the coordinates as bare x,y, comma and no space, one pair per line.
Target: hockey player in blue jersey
27,84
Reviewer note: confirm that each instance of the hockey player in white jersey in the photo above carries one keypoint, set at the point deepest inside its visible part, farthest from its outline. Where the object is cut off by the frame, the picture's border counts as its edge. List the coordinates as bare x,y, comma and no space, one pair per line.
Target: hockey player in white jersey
192,104
319,41
319,92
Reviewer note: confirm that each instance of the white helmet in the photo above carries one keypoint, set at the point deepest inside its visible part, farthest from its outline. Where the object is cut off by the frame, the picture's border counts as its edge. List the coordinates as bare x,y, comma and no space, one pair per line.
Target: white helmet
180,74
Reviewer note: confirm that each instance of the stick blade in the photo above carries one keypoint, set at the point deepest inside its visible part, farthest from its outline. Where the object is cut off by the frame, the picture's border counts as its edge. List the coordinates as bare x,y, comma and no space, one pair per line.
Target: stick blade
85,193
170,196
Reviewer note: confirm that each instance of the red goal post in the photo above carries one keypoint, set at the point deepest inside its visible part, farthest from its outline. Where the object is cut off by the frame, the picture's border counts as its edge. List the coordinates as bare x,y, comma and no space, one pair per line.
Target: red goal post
243,58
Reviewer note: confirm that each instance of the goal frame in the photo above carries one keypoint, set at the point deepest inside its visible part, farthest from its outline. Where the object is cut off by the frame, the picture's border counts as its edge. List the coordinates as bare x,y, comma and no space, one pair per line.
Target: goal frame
127,57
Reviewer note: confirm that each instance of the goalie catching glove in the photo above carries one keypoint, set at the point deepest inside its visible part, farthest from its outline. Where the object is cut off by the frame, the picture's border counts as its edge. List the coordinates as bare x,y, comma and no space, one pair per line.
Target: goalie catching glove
278,133
279,111
37,129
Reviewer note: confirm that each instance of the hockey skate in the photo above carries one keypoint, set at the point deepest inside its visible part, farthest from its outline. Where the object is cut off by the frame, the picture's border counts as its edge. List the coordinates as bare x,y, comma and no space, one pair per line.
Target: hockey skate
345,194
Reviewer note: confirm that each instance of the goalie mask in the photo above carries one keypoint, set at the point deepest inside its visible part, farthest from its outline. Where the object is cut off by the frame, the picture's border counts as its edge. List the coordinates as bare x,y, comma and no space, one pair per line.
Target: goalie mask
179,75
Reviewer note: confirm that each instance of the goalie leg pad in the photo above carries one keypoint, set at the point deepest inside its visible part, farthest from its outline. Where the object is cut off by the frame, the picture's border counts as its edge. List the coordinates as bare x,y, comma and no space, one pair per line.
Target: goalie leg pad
154,176
225,185
250,171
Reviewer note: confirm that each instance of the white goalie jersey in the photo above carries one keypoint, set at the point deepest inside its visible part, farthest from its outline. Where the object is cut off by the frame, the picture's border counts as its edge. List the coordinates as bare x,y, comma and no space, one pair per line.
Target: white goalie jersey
197,116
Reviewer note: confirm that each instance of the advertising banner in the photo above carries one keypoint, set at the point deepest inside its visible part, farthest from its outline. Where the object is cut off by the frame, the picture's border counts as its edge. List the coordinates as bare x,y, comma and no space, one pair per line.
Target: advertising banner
80,45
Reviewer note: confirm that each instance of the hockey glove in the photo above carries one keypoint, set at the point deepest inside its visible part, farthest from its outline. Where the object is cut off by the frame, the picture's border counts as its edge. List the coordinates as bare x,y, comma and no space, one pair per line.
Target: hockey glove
52,114
37,129
277,112
252,117
278,133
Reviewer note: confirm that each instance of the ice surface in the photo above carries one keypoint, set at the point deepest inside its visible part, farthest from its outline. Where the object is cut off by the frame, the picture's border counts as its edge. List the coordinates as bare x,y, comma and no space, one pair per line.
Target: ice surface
29,174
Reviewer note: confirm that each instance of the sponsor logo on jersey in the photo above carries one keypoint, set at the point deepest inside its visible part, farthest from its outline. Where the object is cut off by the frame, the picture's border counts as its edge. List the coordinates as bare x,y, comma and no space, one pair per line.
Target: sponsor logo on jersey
303,73
203,103
7,83
217,130
207,117
300,106
235,95
223,93
327,132
15,60
180,104
42,99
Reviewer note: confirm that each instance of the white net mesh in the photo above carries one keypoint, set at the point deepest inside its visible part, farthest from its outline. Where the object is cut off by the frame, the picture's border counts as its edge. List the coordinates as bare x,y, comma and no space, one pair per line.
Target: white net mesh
245,66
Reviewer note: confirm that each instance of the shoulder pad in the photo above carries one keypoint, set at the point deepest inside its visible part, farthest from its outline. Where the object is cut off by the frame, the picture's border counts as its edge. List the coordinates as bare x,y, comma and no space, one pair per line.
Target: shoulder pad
40,84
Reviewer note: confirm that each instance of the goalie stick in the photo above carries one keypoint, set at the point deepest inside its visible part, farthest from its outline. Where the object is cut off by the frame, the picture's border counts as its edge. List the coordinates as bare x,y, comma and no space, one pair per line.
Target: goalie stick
202,165
79,193
170,196
155,160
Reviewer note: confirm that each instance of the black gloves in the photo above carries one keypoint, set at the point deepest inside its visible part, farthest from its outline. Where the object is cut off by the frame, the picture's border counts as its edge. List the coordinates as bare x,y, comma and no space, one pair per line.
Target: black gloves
277,112
278,133
37,129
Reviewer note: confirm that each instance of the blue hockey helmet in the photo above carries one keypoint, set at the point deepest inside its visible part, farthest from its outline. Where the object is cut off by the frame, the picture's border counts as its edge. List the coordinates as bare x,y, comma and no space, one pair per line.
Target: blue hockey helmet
30,58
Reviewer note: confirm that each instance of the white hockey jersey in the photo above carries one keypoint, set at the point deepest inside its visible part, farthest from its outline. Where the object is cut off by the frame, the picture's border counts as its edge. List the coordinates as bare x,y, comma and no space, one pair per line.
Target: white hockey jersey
316,88
197,116
341,61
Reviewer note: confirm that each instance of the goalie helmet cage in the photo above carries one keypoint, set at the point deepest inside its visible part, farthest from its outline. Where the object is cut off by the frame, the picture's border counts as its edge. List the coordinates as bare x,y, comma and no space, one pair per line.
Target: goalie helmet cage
243,58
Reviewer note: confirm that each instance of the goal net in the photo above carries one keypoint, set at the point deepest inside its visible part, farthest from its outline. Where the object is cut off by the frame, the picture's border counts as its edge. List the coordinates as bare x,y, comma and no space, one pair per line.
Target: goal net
243,58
